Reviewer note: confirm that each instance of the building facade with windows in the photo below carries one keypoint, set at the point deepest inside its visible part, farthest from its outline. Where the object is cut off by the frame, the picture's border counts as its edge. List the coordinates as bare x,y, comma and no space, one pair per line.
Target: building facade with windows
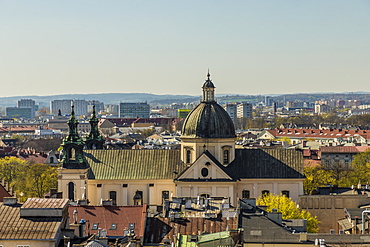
207,164
133,110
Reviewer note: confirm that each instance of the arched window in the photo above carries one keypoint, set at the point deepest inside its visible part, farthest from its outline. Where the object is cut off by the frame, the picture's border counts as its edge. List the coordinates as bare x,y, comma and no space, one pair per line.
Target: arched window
113,197
246,194
138,198
71,191
72,154
226,156
285,193
188,156
265,192
51,159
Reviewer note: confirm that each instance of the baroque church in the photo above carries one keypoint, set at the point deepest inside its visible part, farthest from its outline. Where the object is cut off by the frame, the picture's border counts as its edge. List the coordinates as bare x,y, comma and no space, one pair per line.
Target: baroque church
207,164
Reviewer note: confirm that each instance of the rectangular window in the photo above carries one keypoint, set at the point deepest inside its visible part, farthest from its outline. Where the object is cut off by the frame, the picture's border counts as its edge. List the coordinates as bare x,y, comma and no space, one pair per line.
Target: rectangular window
285,193
245,194
95,226
113,226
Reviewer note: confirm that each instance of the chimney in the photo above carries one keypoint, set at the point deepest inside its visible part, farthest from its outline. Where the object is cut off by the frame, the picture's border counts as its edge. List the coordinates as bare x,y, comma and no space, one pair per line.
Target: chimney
10,200
107,202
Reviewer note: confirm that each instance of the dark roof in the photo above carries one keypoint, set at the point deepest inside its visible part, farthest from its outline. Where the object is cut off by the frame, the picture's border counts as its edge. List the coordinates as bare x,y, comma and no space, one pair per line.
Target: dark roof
208,83
267,163
208,120
12,226
134,164
105,216
164,228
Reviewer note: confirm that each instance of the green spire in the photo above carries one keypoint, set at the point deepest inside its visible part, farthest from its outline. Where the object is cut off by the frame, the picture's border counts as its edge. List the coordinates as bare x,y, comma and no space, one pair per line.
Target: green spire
94,140
73,146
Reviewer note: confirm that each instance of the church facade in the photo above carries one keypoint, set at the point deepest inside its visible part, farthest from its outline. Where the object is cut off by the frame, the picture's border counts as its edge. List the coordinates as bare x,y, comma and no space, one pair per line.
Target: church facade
207,164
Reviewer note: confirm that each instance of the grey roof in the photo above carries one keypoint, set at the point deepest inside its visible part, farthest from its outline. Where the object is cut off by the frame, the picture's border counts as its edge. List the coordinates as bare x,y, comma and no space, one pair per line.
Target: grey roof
267,163
208,120
134,164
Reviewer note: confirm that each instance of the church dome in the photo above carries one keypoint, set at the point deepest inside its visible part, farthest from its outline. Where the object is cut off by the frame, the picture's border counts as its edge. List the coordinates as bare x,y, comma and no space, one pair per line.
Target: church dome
208,119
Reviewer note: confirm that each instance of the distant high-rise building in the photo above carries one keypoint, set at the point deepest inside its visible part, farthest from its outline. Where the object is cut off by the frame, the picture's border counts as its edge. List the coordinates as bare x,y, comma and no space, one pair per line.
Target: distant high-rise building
244,110
17,112
133,110
99,106
268,101
319,109
231,109
111,109
80,107
27,103
64,105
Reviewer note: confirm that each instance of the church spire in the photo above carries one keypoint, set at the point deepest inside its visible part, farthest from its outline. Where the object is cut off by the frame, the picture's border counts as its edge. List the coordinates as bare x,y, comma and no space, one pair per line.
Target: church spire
94,140
72,123
73,146
208,90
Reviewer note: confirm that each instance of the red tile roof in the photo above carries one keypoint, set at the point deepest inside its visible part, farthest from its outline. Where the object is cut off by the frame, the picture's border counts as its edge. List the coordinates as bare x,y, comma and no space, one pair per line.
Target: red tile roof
318,133
346,149
105,216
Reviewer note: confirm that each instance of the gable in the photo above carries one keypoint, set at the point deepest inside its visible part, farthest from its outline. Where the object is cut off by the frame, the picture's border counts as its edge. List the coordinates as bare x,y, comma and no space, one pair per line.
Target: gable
207,168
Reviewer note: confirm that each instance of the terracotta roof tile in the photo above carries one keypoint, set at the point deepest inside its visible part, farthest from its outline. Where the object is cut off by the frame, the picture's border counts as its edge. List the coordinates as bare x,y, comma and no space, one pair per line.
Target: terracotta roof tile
105,216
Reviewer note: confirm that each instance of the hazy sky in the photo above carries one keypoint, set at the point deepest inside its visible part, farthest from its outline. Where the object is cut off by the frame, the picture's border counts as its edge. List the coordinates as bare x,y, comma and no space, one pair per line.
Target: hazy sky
166,47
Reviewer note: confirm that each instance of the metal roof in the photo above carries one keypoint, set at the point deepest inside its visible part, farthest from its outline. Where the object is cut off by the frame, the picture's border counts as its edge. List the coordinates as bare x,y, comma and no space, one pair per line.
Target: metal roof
267,163
134,164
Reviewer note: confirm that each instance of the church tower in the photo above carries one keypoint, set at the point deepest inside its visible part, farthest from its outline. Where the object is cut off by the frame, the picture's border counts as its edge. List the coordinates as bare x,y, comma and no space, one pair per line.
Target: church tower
72,176
94,139
208,127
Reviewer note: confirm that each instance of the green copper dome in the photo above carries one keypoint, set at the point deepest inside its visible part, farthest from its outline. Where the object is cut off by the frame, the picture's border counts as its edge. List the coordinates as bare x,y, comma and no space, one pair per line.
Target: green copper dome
208,120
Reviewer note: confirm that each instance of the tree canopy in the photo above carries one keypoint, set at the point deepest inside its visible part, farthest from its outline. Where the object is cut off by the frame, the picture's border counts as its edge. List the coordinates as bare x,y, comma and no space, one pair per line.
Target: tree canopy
289,209
30,180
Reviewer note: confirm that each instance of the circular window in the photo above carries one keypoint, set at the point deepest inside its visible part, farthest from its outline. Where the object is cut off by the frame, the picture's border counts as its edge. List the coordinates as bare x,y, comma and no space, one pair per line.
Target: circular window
204,172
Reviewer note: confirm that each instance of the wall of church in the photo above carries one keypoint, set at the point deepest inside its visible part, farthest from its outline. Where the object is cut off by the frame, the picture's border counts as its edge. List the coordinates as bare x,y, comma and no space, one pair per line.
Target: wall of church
76,177
125,190
256,187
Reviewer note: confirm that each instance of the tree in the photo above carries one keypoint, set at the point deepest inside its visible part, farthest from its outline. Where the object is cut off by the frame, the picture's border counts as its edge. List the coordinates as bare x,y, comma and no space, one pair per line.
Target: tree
33,180
360,169
11,168
316,177
36,180
289,209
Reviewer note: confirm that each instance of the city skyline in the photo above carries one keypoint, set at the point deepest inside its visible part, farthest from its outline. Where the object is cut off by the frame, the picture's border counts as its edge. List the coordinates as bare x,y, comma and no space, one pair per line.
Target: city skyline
250,47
